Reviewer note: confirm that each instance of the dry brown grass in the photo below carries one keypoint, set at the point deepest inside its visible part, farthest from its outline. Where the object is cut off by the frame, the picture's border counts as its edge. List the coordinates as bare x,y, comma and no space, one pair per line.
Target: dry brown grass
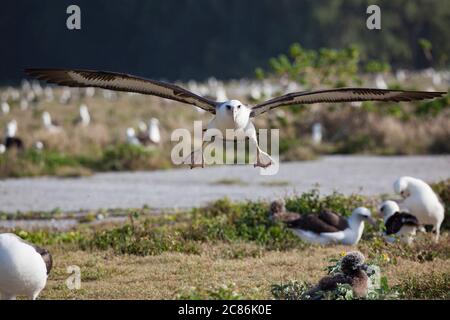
165,276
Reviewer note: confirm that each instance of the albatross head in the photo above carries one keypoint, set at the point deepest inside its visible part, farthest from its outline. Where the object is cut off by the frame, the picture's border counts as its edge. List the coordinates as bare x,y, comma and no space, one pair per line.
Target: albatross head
236,111
388,208
362,214
401,186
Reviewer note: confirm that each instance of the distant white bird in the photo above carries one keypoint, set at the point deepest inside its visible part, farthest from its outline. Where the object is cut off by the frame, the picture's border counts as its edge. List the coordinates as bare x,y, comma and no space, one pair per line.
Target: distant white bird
149,134
221,93
38,145
153,131
328,227
48,92
11,141
421,201
24,104
37,89
317,133
142,127
2,148
398,224
229,115
131,137
380,82
11,129
255,92
85,117
66,96
437,79
400,75
24,268
5,107
49,124
90,92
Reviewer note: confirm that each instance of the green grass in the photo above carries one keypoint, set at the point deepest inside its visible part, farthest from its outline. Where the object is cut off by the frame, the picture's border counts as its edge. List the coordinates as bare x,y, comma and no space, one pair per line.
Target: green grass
230,250
118,157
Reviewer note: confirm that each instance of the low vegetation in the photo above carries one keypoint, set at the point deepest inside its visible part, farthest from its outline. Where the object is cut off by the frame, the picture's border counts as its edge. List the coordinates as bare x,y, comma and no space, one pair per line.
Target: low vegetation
231,251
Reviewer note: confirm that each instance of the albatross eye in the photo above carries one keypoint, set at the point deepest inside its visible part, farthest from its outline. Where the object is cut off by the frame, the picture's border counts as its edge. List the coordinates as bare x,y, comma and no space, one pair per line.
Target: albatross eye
239,106
228,107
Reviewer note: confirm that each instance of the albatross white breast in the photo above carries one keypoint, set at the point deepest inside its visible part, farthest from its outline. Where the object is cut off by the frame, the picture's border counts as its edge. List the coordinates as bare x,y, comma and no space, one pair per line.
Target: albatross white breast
23,267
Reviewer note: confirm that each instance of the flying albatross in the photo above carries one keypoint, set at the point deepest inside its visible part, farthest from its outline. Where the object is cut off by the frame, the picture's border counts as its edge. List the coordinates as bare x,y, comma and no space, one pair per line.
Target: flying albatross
232,114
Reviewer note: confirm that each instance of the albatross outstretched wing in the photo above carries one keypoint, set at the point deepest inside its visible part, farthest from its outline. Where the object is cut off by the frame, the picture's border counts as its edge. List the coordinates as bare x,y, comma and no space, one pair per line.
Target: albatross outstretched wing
343,95
121,82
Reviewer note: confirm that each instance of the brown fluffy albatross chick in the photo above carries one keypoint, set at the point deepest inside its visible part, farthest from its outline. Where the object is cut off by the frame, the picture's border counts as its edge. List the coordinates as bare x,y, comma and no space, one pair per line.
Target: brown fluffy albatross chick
353,273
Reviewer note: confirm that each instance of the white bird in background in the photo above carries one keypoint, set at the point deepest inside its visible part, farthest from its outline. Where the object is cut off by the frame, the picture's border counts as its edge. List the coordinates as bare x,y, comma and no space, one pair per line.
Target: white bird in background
90,92
85,117
48,92
221,93
11,129
66,96
380,82
23,104
142,127
131,137
229,115
398,224
317,228
24,268
38,145
5,107
153,131
48,123
400,75
317,133
421,201
149,135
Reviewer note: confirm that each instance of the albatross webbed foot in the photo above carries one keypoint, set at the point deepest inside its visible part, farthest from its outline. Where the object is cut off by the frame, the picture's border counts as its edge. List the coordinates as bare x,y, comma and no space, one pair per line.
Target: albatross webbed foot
262,165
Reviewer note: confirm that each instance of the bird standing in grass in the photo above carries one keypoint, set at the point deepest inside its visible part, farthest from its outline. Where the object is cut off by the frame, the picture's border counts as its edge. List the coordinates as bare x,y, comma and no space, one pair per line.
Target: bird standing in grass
50,125
11,141
398,224
329,227
421,201
24,267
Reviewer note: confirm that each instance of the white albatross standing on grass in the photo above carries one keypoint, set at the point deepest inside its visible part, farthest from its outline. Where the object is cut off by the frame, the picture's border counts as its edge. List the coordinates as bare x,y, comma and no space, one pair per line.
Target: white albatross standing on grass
421,201
328,227
232,114
24,268
398,224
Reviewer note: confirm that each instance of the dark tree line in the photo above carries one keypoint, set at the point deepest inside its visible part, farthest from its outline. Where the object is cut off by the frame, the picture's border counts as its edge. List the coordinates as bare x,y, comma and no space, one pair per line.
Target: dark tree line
182,39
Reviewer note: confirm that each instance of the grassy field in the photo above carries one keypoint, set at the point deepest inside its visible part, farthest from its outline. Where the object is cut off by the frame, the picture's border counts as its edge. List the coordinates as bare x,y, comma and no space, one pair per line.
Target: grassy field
229,251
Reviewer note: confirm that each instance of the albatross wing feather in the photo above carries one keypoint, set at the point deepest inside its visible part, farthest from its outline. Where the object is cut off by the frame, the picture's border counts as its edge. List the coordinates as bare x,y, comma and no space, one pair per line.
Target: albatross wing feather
121,82
343,95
